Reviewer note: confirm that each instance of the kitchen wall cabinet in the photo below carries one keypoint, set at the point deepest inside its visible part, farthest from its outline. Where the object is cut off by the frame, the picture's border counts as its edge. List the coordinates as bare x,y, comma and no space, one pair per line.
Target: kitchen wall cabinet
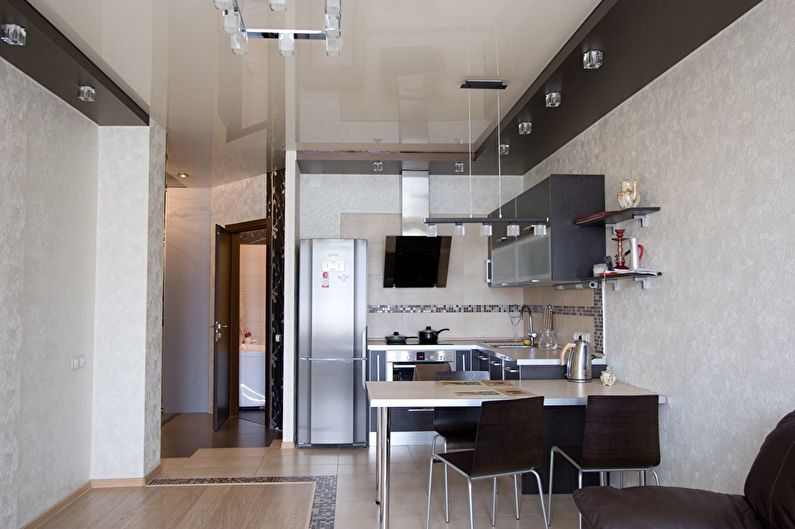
564,252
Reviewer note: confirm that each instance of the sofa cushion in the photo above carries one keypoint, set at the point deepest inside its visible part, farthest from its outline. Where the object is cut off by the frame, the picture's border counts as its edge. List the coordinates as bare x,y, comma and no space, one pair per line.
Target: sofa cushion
663,508
770,485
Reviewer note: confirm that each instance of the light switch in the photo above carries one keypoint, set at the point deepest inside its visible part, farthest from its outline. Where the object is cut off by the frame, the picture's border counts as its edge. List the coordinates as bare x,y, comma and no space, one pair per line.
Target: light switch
78,362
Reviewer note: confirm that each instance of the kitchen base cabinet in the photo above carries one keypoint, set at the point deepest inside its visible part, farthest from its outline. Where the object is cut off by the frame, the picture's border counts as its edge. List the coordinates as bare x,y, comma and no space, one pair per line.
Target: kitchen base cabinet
552,372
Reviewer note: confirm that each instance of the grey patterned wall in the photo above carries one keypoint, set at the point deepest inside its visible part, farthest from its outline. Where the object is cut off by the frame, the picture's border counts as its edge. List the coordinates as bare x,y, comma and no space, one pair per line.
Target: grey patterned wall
712,144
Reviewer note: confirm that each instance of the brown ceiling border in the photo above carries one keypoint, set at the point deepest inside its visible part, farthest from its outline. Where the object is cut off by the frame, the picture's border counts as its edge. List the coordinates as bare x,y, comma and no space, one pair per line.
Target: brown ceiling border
53,61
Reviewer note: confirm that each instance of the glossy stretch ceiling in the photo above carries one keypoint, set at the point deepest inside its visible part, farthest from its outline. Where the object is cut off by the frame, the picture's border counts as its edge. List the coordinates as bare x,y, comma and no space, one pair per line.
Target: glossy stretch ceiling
396,83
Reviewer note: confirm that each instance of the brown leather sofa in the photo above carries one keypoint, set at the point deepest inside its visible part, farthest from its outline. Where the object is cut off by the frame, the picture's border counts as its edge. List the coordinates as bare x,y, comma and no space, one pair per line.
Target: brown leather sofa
768,503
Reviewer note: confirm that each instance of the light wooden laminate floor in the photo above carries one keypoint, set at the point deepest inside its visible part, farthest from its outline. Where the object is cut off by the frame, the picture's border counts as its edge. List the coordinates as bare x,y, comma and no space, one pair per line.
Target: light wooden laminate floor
249,506
355,471
355,505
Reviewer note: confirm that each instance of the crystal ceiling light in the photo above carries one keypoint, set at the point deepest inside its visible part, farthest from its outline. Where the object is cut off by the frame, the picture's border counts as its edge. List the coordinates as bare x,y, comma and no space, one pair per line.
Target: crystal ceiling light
232,22
459,167
592,60
286,44
378,167
525,128
331,25
552,99
505,149
278,5
87,94
485,230
239,43
14,35
334,47
513,230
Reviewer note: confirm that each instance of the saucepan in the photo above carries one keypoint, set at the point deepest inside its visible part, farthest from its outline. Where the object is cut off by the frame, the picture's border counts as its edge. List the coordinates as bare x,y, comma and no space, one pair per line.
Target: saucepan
429,336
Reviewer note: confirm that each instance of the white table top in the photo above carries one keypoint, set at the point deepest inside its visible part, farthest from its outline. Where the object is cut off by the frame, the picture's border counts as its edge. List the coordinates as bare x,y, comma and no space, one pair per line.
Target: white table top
557,392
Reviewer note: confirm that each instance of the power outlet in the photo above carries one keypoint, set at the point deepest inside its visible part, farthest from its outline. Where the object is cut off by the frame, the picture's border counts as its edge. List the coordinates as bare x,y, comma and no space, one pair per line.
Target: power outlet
585,336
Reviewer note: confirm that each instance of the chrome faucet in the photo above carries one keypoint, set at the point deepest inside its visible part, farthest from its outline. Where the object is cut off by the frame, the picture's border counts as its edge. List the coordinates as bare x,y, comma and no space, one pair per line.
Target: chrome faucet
531,334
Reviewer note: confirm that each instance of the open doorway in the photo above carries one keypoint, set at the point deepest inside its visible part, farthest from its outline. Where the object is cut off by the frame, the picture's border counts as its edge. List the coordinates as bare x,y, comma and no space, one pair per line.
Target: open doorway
242,355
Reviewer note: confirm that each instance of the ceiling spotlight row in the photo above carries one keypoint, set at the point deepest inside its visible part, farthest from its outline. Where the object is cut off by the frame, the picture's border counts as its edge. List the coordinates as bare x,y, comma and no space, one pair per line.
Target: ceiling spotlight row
591,60
16,35
232,22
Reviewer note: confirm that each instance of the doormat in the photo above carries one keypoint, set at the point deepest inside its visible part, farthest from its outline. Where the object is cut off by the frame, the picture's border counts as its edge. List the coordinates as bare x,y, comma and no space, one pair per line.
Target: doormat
323,504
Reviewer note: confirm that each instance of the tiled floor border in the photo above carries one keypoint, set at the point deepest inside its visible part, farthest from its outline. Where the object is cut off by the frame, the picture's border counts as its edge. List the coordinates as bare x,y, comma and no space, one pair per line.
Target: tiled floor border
323,504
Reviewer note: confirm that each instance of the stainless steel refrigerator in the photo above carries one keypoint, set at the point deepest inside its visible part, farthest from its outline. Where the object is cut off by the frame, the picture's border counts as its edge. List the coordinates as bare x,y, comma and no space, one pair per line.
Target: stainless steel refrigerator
332,342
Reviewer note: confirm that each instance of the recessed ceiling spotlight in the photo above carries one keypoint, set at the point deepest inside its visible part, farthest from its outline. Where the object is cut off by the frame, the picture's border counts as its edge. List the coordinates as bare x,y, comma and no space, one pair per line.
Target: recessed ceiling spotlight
552,99
14,35
286,44
278,5
459,167
505,149
592,60
525,128
86,94
378,167
183,175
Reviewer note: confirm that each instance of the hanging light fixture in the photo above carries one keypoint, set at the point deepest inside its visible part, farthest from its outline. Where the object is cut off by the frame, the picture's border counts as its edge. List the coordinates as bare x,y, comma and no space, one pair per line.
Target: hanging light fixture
232,21
486,223
239,42
592,59
286,44
278,5
14,35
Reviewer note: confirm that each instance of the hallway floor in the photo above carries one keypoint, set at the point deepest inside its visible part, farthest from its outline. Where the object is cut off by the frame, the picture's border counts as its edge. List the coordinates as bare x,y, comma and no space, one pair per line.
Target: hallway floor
354,470
185,433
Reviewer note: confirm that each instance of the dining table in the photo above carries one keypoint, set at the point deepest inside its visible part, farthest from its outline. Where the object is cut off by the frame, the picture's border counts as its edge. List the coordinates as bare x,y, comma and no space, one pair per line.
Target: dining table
384,396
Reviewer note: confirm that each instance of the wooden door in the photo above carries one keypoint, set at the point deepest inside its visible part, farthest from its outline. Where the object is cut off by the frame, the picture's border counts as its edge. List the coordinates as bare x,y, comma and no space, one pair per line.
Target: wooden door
222,331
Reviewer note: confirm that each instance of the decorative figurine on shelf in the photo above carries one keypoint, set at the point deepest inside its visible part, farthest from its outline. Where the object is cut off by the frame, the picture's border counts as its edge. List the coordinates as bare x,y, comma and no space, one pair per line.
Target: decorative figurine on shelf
620,263
629,196
608,377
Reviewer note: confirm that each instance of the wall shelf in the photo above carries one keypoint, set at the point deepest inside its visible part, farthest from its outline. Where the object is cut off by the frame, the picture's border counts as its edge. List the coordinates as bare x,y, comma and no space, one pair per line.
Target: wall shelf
611,218
642,278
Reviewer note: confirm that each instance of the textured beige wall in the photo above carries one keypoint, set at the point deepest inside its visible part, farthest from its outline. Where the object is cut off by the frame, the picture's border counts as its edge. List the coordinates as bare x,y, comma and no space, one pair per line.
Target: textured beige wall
48,192
712,144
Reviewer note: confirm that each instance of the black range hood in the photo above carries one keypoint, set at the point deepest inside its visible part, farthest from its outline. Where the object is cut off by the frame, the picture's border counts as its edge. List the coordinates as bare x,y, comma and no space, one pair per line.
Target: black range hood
416,261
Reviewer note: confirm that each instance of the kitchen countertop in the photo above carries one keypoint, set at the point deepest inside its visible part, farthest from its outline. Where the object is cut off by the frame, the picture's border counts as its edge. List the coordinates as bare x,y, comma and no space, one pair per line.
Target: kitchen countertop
557,392
522,355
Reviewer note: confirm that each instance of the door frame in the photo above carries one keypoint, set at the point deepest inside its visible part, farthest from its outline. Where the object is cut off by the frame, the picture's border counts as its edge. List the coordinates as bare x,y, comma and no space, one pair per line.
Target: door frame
234,364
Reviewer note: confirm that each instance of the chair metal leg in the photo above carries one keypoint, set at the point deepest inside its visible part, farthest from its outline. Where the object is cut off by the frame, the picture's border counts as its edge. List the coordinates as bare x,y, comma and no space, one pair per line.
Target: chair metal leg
471,515
493,501
516,495
430,488
446,494
540,499
579,486
548,521
642,478
656,477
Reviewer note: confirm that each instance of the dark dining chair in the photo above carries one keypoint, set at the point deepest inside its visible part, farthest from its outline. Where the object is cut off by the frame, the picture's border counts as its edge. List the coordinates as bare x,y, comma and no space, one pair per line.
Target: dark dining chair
768,500
508,443
621,434
457,427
